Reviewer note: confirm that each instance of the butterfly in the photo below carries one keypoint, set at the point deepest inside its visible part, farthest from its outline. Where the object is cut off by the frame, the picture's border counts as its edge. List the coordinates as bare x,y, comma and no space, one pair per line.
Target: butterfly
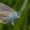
7,14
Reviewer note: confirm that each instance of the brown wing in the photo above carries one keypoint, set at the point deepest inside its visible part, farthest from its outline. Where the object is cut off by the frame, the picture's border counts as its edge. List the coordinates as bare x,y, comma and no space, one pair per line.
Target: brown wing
5,9
4,13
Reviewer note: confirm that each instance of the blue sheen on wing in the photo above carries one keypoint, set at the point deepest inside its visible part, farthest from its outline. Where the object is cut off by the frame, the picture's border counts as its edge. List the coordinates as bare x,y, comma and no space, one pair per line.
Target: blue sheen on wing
13,16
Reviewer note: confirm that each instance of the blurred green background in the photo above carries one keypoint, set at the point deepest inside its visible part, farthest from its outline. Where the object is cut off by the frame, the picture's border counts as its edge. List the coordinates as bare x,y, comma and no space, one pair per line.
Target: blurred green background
22,6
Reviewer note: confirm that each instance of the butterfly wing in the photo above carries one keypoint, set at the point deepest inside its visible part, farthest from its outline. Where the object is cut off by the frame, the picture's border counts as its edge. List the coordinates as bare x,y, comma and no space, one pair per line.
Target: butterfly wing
7,13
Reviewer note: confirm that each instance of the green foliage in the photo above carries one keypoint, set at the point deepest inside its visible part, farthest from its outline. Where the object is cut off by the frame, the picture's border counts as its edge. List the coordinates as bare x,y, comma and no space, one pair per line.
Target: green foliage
23,6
